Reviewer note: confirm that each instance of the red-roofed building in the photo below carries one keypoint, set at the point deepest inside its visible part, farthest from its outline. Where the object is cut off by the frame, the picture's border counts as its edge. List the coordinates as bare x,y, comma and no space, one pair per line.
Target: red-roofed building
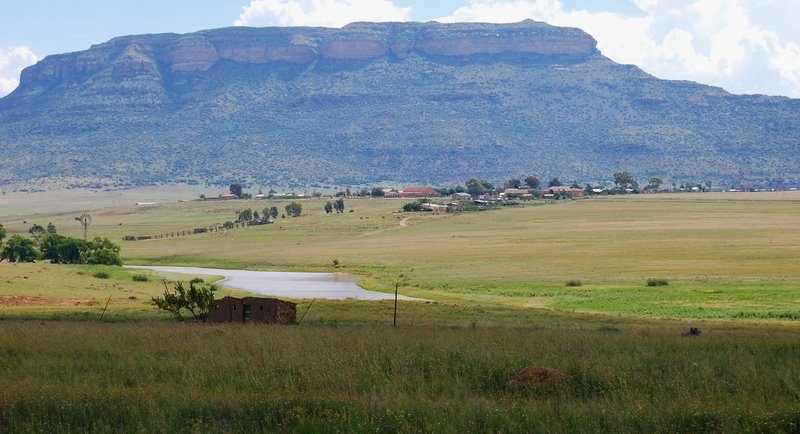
519,192
419,192
574,192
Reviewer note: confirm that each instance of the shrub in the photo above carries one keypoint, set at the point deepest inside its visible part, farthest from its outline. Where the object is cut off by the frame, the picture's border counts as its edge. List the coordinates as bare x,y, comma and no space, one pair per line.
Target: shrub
101,275
198,299
657,282
574,282
412,207
140,278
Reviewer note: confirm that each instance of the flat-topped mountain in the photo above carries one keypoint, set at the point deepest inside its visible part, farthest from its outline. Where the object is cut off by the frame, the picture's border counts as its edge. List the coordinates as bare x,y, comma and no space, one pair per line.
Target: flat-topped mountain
408,102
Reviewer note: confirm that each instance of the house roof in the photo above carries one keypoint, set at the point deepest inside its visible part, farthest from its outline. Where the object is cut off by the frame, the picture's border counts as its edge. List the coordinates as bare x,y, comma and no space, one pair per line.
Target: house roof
560,188
417,189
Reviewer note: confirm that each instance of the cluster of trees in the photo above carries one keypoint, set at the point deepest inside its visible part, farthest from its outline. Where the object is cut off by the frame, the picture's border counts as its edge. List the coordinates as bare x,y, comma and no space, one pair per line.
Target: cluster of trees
337,205
477,187
294,209
58,249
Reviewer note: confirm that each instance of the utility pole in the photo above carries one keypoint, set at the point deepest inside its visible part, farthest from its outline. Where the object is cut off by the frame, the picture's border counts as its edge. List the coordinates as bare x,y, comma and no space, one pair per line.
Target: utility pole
394,323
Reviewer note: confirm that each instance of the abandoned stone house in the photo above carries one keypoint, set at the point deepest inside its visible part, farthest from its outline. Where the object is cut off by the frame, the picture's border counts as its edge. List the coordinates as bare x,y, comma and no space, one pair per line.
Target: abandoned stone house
253,309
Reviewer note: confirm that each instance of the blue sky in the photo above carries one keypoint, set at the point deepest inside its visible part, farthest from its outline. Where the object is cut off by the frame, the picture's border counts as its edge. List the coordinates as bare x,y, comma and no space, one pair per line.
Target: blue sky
744,46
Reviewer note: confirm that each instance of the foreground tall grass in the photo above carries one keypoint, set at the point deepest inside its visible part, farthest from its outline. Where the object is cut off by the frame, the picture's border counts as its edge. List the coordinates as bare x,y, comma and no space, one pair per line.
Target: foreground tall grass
166,377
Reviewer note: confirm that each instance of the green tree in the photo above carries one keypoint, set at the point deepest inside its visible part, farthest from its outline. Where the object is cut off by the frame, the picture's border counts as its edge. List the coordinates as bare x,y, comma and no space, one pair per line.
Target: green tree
338,205
655,183
412,207
236,189
37,232
273,212
328,207
101,251
49,247
73,251
245,215
294,209
623,179
555,182
51,228
59,249
512,183
532,182
477,187
19,249
3,233
197,299
376,192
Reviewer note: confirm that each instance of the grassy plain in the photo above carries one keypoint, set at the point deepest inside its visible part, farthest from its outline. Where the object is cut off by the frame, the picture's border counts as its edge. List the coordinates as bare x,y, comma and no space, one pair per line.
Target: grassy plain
622,378
496,281
724,255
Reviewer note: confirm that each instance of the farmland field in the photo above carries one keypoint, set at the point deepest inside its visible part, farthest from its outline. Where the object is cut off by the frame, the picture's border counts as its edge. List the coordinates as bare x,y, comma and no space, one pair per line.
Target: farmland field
499,300
723,256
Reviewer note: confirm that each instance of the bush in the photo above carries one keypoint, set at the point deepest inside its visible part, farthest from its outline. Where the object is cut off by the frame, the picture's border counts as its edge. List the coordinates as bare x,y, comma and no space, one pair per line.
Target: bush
412,207
657,282
574,282
140,278
101,275
198,299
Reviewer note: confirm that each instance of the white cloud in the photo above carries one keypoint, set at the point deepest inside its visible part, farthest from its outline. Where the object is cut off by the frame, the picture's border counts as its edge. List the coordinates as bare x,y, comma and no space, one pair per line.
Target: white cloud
744,46
325,13
12,61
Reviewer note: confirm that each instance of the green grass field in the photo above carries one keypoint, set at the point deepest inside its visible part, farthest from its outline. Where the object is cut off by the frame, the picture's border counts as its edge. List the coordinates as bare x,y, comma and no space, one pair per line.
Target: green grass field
724,256
499,301
622,378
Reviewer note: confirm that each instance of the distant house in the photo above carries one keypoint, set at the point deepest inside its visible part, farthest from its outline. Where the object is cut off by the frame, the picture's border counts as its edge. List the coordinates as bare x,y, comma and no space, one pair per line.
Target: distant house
419,192
574,192
461,196
518,192
253,309
227,196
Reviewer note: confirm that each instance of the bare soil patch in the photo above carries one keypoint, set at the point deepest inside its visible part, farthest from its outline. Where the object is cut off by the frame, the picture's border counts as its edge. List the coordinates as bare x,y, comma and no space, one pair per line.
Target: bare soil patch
27,301
536,376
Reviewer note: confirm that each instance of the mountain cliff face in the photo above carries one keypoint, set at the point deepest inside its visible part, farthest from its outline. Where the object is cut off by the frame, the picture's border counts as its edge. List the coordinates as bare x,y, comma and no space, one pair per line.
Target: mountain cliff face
369,102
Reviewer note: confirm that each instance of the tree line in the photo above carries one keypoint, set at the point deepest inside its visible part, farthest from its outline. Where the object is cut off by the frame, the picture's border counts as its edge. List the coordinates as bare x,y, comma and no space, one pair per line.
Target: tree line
47,244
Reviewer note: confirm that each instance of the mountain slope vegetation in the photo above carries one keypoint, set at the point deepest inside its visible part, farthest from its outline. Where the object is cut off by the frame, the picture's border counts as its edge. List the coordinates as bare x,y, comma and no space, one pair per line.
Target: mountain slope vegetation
409,102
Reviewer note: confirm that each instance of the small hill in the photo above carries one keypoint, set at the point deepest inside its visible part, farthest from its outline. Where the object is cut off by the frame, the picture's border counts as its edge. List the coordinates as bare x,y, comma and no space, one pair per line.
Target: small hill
425,102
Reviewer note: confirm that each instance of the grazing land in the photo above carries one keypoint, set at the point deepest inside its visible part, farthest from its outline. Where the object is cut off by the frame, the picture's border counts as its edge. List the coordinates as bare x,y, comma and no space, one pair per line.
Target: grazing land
497,282
723,256
323,377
